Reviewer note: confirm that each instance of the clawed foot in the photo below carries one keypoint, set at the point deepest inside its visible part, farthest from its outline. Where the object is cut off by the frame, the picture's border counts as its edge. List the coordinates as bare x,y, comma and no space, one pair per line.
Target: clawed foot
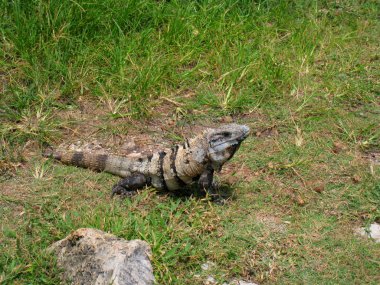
128,186
122,192
218,200
215,193
215,197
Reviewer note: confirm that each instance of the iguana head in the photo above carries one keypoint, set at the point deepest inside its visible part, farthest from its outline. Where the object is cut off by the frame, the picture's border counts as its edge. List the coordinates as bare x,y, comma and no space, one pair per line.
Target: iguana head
223,142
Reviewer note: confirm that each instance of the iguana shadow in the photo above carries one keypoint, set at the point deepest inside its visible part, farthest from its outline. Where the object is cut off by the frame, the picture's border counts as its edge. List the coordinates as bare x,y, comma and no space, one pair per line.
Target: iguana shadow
222,194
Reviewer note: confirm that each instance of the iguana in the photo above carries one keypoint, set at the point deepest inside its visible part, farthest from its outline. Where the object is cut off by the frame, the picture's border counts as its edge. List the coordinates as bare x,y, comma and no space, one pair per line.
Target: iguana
171,169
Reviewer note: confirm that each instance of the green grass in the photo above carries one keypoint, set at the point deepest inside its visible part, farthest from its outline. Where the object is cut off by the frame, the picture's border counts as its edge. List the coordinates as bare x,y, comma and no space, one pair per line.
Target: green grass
304,75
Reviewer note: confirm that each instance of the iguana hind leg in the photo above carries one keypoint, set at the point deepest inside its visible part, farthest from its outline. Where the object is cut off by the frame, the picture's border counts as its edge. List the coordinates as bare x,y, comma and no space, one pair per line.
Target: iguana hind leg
128,186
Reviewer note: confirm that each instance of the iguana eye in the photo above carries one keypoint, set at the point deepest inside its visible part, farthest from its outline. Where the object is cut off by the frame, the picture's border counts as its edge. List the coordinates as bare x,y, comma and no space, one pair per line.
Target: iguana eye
220,137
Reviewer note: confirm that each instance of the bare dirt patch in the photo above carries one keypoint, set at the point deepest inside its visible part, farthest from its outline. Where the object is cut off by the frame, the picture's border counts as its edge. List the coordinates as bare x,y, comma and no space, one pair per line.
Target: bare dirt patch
91,125
236,172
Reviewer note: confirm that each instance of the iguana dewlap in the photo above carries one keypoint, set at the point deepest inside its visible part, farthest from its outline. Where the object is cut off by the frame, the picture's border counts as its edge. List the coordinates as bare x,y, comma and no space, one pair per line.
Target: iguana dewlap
193,161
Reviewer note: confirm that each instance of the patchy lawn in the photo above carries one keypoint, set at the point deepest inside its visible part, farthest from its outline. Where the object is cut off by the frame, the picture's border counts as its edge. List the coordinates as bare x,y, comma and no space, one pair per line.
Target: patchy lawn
304,76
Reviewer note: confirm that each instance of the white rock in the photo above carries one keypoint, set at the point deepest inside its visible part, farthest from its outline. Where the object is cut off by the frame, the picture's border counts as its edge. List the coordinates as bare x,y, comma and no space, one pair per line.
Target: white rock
210,280
373,232
207,265
241,282
90,256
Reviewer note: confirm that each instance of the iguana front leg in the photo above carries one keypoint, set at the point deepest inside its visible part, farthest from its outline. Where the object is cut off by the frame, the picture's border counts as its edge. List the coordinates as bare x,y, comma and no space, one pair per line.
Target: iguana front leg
128,186
206,181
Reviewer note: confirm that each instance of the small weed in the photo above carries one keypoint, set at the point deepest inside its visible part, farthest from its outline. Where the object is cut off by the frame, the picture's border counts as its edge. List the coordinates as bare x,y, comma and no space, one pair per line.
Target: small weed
39,171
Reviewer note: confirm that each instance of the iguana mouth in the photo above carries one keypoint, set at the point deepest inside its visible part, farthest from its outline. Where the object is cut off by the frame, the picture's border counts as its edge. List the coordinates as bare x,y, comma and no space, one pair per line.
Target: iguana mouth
246,131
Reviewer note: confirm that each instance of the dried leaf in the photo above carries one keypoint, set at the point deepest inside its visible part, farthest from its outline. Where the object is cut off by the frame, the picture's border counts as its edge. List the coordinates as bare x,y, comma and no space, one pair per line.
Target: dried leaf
298,138
356,178
338,147
319,188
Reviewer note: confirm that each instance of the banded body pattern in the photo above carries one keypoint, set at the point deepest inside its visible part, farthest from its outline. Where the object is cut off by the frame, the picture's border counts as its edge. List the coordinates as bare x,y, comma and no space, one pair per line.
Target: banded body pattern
184,163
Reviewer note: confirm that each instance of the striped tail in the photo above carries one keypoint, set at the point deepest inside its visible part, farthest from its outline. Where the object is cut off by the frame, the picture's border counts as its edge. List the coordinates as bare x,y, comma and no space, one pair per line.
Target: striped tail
94,161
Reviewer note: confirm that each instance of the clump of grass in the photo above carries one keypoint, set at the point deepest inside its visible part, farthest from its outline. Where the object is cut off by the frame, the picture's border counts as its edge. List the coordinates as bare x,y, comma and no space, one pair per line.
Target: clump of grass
140,49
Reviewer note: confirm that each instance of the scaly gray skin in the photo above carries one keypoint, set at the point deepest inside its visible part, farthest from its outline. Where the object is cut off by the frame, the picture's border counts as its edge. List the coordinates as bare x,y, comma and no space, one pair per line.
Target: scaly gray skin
193,161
